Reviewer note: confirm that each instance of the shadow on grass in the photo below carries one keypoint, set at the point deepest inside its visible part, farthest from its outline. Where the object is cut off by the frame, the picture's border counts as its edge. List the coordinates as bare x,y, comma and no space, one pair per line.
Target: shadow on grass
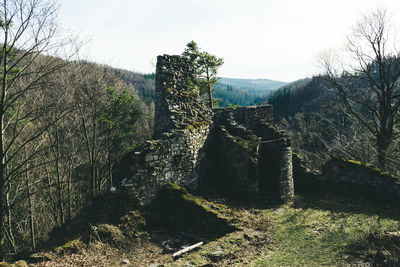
175,218
377,249
355,204
187,218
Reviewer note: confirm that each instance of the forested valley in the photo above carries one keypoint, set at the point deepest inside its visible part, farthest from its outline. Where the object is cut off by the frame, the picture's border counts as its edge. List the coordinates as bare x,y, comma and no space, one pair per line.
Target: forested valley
62,138
64,122
67,124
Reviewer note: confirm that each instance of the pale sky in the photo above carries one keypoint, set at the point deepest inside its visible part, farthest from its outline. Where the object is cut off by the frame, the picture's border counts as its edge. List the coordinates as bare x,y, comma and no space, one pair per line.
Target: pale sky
271,39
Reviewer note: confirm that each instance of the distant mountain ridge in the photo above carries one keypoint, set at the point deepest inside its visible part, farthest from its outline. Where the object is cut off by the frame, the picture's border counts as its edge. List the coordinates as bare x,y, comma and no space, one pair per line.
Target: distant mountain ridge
253,84
305,95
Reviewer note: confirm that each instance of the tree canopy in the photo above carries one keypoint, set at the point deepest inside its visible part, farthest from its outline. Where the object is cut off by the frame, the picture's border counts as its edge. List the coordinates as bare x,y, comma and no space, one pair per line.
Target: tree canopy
206,66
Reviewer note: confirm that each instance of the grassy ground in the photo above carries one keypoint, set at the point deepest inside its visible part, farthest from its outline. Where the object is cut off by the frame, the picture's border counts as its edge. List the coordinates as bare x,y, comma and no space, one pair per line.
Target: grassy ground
314,231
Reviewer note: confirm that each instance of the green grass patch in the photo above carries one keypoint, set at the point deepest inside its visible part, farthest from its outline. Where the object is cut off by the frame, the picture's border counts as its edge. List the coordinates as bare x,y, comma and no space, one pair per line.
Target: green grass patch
321,232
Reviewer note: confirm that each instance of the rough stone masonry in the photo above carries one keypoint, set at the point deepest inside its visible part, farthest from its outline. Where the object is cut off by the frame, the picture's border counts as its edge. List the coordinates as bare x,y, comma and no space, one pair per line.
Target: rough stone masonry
234,150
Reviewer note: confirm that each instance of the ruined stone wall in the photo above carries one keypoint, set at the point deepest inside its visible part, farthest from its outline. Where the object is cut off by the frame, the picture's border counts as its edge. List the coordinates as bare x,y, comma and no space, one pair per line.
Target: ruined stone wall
182,124
255,159
275,169
235,147
177,103
349,179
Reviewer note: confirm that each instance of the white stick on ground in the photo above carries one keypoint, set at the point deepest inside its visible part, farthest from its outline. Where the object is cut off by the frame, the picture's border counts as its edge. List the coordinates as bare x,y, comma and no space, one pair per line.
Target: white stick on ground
180,252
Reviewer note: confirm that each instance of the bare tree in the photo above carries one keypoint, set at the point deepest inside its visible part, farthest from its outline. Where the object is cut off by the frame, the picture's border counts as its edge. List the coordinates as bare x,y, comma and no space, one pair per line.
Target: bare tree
30,51
368,86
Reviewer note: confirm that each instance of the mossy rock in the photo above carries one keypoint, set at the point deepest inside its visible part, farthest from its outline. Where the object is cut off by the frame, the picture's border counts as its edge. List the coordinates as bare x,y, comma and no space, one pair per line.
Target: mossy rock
109,233
72,246
175,209
39,257
20,263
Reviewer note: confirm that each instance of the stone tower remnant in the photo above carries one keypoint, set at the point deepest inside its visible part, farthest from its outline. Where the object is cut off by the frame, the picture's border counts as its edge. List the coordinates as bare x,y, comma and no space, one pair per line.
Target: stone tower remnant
236,148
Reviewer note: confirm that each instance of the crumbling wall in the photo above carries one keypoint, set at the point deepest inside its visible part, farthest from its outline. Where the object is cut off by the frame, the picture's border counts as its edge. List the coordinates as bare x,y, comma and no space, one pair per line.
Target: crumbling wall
254,158
275,170
353,177
349,179
245,153
177,102
182,125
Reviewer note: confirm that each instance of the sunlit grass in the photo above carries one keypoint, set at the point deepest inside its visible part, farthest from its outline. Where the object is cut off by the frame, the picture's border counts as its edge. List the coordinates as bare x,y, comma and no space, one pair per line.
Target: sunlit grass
316,233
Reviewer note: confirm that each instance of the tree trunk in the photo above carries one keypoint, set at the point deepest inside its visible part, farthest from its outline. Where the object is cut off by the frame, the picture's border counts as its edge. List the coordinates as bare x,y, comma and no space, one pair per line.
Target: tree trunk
2,195
9,231
110,177
69,192
59,188
31,213
2,201
210,96
2,156
209,89
382,147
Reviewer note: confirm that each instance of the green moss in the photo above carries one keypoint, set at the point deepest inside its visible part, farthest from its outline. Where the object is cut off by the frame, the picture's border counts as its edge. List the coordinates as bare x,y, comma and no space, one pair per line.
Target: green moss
72,246
377,169
196,123
174,186
369,166
247,145
355,162
109,233
38,257
175,208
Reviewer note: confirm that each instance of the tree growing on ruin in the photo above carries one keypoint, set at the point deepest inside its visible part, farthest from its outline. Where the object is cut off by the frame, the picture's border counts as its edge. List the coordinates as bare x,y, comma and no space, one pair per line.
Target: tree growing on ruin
206,66
368,88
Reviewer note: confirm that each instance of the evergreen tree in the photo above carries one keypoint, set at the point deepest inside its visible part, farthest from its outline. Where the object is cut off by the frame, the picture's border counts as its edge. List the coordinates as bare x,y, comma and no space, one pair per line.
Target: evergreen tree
206,66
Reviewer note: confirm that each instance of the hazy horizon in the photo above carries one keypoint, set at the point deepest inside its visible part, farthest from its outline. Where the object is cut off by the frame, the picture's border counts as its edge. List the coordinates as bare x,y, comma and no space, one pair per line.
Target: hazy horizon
257,39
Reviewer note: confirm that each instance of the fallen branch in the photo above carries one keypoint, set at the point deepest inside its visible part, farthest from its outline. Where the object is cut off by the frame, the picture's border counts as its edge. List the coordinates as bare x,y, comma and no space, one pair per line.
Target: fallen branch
180,252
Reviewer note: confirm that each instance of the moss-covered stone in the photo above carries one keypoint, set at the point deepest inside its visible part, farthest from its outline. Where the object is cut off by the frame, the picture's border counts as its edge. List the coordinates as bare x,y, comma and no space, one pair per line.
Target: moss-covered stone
20,263
355,162
72,246
176,209
39,257
109,233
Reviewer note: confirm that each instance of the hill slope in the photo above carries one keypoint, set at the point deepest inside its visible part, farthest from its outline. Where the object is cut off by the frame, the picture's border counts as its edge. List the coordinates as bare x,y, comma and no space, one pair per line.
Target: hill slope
253,84
307,95
243,92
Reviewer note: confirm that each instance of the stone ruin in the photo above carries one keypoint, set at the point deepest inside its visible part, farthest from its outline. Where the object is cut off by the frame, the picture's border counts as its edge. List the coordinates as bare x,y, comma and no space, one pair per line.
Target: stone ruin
231,150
